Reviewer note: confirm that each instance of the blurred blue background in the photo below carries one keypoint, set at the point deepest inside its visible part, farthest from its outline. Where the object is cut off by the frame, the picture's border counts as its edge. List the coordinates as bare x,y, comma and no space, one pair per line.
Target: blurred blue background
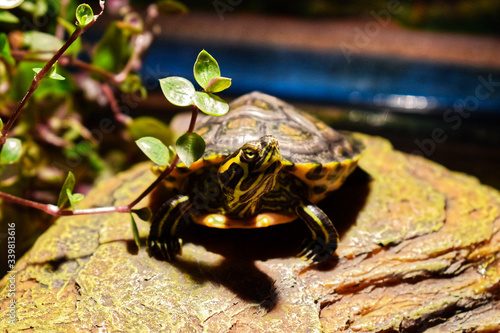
327,78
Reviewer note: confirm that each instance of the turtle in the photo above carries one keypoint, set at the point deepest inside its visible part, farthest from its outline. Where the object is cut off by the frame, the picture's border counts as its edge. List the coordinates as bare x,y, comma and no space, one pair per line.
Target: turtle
265,163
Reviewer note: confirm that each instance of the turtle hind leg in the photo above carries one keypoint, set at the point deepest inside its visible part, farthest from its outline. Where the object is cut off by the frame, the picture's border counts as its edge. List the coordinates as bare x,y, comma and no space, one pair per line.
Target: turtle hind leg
323,243
162,240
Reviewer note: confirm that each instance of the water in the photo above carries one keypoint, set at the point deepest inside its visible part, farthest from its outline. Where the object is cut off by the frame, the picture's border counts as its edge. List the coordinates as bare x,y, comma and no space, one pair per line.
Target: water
327,77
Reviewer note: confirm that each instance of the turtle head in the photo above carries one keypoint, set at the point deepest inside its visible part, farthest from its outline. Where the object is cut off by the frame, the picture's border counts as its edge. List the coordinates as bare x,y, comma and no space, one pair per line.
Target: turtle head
249,173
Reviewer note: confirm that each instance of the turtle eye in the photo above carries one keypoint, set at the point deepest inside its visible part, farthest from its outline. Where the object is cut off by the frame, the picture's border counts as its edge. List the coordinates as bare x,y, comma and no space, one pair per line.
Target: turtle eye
249,154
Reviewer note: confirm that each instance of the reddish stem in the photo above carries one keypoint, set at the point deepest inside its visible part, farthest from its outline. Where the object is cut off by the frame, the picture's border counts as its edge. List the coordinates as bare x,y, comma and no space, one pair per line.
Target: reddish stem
38,77
157,181
119,116
23,55
194,115
54,210
172,165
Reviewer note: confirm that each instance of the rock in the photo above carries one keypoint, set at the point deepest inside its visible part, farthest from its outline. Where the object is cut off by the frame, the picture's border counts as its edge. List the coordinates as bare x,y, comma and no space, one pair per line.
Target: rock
419,251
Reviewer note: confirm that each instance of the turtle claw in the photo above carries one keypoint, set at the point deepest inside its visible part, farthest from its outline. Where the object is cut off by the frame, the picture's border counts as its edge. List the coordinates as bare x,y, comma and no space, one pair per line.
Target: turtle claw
316,250
171,248
167,248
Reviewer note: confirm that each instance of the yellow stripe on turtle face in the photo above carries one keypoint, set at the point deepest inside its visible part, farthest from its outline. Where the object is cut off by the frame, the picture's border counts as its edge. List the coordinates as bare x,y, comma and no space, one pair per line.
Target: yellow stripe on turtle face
249,173
234,158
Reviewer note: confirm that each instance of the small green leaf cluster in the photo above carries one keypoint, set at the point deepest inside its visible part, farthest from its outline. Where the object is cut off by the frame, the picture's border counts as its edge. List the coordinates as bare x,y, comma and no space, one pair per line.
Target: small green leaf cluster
11,152
155,150
63,99
54,115
181,92
84,15
66,197
51,74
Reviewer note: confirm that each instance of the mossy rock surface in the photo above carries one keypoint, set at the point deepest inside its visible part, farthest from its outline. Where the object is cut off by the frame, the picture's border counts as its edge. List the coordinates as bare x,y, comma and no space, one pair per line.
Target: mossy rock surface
419,251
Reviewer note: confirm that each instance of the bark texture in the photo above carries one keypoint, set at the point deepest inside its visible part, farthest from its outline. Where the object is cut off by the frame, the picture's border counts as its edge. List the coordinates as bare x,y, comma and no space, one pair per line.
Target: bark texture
419,252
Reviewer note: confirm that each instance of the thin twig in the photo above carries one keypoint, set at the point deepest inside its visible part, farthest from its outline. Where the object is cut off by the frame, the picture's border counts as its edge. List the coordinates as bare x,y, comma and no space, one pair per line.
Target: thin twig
65,60
157,181
194,116
119,116
36,81
54,210
172,165
83,65
40,75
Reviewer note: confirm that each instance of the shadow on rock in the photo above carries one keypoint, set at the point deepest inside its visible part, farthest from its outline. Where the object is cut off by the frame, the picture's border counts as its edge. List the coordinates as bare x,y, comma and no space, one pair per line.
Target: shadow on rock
240,276
282,241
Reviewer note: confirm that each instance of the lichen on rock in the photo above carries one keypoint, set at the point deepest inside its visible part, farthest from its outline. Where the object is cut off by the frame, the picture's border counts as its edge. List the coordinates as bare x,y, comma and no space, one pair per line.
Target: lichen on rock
419,251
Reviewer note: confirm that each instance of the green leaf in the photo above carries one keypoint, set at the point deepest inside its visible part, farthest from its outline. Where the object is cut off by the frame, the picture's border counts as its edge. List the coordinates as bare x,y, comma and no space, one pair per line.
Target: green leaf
218,84
51,74
133,84
73,198
171,7
190,147
143,213
69,183
135,231
149,126
210,104
8,17
50,89
154,149
1,124
56,76
113,50
40,41
11,151
35,8
10,4
84,15
205,68
5,49
177,90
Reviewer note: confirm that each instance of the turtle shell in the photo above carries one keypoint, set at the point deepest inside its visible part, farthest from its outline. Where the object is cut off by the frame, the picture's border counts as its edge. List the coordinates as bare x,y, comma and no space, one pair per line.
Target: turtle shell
312,151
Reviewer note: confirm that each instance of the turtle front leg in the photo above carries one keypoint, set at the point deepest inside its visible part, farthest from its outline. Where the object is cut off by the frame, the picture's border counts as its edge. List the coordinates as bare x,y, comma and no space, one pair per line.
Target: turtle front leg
324,239
162,239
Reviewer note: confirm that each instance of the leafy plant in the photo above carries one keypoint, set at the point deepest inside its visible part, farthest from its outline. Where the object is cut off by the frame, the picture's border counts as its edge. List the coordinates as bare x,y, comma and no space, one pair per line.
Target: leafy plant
111,70
181,92
190,146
